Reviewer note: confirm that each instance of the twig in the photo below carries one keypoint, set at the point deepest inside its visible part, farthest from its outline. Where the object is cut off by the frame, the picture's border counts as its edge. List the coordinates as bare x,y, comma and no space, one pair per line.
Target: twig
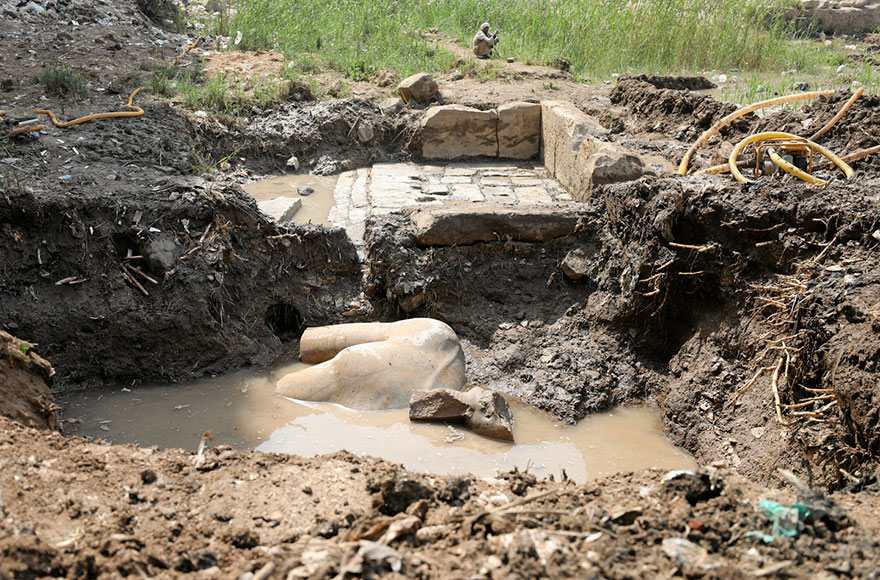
200,454
699,249
522,501
142,275
749,384
127,275
774,385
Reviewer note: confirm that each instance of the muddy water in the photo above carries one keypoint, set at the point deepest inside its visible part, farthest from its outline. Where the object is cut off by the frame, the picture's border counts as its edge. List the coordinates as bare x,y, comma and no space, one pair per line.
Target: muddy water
315,207
241,410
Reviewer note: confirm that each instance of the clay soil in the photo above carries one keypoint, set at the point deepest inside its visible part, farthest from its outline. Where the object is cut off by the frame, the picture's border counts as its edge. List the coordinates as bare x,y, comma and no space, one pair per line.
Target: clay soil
129,252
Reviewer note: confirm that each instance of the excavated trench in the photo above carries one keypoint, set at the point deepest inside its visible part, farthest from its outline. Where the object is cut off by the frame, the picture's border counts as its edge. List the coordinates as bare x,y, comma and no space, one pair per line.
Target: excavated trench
663,297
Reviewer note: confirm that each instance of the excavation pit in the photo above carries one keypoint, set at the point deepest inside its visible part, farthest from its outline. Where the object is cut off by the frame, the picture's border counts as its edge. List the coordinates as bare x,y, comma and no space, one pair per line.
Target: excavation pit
240,410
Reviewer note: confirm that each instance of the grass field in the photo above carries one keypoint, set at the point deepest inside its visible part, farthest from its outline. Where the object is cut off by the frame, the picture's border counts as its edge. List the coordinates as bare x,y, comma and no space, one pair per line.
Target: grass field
597,37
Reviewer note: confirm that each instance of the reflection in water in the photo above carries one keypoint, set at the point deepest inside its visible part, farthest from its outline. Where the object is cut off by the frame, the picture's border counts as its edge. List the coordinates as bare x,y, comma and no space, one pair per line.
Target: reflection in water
241,410
315,207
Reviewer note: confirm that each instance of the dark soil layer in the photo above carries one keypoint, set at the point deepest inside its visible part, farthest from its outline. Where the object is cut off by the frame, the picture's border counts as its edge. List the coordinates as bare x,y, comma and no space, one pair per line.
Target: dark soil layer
88,510
219,286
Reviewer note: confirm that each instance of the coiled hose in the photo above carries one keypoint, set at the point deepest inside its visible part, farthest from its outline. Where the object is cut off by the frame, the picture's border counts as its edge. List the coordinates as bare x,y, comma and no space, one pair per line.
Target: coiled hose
734,170
683,166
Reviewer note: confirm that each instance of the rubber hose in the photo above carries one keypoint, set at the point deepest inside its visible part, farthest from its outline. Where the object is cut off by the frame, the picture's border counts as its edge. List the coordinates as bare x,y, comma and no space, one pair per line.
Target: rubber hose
734,170
722,168
134,111
853,156
838,116
683,167
786,166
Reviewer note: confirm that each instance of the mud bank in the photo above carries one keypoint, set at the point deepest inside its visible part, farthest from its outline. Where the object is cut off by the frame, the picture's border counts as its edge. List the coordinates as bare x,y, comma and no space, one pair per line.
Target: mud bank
177,280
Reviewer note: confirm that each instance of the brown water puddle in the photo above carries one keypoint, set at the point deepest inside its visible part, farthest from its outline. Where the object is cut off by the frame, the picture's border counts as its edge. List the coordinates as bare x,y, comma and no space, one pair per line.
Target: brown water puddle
241,410
315,207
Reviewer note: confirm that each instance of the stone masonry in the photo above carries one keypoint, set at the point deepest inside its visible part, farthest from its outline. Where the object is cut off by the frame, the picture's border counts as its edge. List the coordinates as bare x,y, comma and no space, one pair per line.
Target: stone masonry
386,187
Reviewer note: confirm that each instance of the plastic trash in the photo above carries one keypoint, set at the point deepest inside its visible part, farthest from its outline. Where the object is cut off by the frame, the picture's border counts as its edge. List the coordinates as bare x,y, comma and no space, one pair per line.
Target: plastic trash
691,555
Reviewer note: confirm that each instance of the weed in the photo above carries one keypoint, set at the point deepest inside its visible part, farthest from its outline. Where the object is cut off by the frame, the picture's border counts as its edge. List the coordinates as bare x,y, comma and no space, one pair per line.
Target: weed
551,86
61,80
596,38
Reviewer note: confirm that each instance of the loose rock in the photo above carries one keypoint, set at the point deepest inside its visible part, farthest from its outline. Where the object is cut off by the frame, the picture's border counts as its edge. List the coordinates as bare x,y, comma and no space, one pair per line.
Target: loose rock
420,87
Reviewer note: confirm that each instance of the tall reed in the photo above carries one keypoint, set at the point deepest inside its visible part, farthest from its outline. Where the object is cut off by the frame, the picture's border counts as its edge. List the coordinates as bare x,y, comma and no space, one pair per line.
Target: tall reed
597,37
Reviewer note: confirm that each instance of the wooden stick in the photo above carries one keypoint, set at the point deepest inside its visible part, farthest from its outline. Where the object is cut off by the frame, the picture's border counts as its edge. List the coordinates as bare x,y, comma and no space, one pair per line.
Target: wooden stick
127,275
138,271
773,384
699,249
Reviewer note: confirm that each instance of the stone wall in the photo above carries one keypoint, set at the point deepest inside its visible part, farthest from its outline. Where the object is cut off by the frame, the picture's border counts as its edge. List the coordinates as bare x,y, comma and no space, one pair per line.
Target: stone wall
456,131
835,17
577,156
574,145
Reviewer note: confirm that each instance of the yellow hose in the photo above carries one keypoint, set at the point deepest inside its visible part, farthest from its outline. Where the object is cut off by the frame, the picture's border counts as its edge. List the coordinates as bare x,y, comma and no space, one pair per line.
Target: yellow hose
683,167
838,116
802,175
853,156
134,111
721,168
186,50
734,170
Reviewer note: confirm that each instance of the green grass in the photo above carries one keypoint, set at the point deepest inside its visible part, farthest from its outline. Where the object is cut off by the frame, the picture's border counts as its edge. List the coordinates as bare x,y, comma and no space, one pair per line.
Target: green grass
597,37
224,93
758,87
60,80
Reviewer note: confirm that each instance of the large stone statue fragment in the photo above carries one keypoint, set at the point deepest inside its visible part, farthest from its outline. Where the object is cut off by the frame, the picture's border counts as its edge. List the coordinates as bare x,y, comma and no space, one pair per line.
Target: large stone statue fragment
376,365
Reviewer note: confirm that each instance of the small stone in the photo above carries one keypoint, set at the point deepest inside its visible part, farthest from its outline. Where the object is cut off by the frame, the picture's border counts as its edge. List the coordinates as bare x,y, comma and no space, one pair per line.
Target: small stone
305,190
575,264
420,87
365,133
293,162
433,533
438,405
801,86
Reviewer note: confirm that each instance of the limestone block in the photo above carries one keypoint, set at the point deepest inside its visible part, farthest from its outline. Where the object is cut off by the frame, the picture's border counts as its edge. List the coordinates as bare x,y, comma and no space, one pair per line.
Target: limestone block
420,87
376,365
437,405
577,157
457,224
519,130
610,163
280,209
484,412
453,131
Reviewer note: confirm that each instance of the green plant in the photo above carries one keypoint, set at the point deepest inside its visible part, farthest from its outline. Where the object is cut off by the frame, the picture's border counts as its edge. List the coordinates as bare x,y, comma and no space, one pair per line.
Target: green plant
60,80
596,38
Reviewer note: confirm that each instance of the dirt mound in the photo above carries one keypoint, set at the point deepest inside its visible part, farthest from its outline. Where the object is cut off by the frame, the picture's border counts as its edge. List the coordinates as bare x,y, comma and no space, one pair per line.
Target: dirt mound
327,137
677,113
92,510
168,278
678,299
697,83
